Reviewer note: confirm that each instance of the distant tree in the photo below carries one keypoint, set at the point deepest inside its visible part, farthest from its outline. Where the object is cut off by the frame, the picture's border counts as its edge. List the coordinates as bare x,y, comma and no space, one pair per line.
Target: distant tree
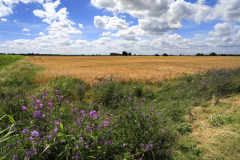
124,53
129,53
212,54
199,54
156,54
165,54
180,54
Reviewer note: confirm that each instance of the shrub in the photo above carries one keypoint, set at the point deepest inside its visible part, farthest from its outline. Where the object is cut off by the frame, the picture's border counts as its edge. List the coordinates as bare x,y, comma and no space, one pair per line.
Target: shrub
110,94
66,86
13,102
80,91
138,91
213,82
74,134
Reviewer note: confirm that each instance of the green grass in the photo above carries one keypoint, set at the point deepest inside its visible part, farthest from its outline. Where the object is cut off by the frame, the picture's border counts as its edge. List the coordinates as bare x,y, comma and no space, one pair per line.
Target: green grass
9,59
170,97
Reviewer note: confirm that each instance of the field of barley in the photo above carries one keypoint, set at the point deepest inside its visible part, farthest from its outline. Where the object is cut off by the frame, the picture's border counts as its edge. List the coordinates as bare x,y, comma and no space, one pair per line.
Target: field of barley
144,68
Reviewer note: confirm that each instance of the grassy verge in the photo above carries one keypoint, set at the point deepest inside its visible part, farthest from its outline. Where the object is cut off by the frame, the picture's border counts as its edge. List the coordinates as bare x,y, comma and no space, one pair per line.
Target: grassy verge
9,59
68,118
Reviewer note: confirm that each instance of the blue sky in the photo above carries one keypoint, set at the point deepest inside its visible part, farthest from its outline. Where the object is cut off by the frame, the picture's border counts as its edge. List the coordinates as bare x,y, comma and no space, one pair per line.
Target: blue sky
106,26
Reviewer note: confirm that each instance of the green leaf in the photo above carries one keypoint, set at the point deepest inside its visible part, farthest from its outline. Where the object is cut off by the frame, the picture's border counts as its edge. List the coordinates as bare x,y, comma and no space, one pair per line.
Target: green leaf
45,149
2,112
61,126
11,119
3,131
62,153
61,135
3,117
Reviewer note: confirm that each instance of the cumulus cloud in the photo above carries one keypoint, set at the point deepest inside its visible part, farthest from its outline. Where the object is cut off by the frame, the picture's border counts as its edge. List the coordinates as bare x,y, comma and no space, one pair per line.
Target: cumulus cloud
106,34
25,29
5,10
154,26
226,10
60,26
130,34
223,29
41,33
110,23
156,17
3,20
80,25
6,6
197,36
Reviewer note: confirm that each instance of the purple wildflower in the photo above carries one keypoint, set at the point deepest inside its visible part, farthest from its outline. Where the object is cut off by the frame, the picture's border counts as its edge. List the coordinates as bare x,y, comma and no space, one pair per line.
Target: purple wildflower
24,108
34,134
80,138
93,113
30,138
25,131
36,114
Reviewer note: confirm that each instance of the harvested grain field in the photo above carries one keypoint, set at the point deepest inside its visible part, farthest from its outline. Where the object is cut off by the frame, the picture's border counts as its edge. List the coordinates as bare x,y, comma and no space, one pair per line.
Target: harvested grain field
144,68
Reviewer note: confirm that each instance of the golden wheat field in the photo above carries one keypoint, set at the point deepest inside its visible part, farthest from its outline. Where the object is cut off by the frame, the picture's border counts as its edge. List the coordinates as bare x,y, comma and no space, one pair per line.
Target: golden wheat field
144,68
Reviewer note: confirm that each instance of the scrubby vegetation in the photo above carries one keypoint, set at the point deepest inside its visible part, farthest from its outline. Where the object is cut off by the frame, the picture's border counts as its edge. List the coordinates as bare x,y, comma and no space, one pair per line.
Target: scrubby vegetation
8,59
66,118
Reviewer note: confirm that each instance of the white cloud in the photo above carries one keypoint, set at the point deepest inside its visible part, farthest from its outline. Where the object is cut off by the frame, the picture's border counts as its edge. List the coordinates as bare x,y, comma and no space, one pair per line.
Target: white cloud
15,21
50,13
155,17
154,26
80,25
9,2
139,8
223,29
106,34
197,36
110,23
28,34
5,10
25,29
226,10
3,20
130,34
41,33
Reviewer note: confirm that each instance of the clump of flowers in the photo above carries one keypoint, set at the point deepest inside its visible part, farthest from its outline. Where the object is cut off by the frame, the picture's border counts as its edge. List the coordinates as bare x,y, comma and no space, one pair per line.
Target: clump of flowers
125,132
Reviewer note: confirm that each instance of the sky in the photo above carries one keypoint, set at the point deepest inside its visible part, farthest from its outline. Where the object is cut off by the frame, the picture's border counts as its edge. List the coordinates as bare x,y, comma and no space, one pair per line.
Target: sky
144,27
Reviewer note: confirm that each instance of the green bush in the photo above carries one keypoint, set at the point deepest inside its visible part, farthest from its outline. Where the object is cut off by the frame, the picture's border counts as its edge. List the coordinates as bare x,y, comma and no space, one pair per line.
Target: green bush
149,93
138,90
110,94
184,128
67,86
